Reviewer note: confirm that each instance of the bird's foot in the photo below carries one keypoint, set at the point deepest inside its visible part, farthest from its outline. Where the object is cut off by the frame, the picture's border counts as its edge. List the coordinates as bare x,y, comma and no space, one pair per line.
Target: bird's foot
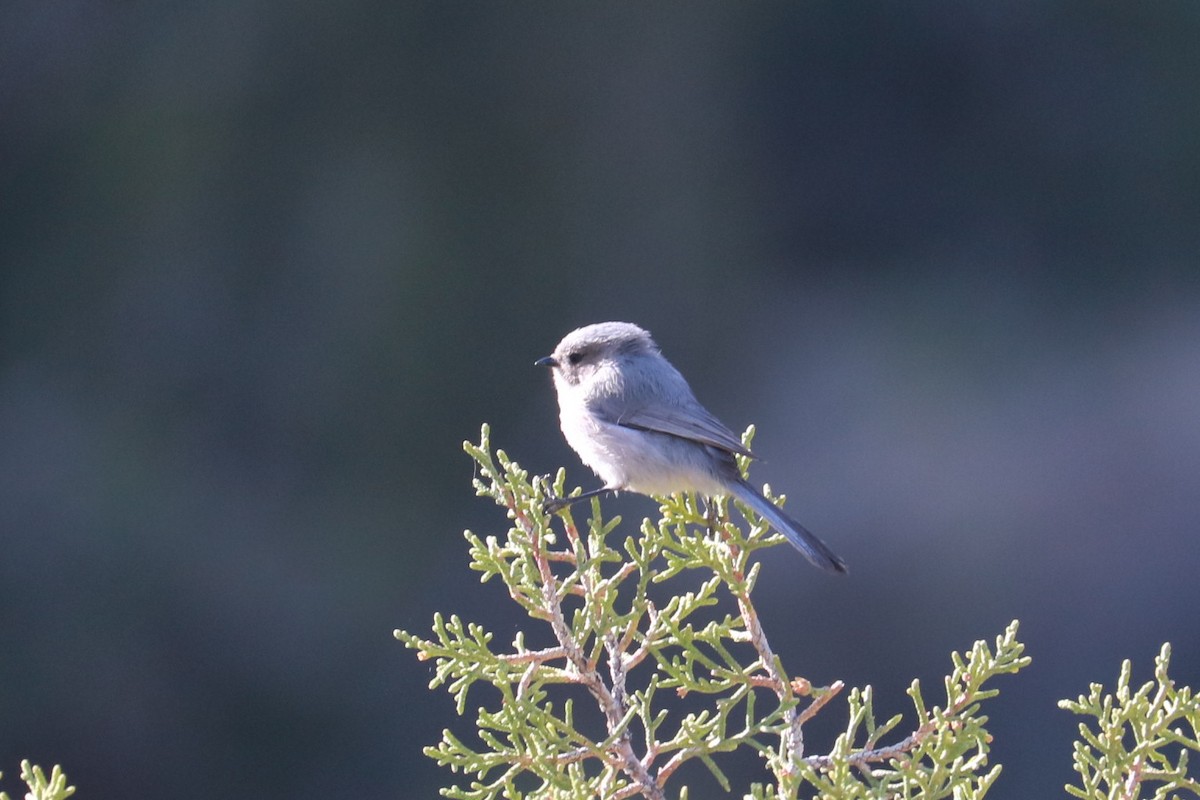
710,514
713,518
553,504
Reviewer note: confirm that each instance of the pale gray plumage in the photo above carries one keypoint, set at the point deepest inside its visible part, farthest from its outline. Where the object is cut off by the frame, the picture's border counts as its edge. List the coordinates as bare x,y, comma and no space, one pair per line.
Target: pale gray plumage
633,419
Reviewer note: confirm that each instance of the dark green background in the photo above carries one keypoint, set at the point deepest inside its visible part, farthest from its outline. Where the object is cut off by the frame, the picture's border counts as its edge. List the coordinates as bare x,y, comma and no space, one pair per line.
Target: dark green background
266,265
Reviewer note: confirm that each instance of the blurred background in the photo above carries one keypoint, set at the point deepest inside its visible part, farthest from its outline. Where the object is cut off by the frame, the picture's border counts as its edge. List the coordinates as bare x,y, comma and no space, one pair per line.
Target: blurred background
266,266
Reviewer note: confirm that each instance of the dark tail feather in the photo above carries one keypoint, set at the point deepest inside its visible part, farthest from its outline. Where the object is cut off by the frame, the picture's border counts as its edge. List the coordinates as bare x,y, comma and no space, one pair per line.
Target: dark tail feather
801,538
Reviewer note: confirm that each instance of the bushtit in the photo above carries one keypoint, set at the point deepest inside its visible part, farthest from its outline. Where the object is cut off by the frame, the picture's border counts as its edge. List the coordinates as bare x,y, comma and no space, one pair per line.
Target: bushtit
633,419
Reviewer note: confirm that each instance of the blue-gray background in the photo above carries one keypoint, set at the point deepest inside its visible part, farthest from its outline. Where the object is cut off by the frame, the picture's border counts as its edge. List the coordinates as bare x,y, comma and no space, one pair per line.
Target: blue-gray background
265,266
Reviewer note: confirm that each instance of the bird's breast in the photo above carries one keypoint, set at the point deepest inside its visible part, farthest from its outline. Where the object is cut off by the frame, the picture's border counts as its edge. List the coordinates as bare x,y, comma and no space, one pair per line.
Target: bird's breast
642,461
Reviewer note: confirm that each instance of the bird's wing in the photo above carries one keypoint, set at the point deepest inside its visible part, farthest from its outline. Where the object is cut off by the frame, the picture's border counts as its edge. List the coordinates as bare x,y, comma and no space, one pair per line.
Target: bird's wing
693,422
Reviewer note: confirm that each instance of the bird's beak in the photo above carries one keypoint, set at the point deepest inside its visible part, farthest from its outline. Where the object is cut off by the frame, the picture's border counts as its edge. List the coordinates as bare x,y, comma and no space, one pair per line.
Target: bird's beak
548,361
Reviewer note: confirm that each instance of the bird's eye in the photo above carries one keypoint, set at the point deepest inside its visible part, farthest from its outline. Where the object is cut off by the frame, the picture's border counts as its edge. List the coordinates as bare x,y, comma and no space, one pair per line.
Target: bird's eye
575,357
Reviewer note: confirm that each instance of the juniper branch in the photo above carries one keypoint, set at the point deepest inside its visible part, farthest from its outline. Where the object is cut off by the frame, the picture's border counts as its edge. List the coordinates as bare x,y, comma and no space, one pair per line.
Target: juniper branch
1141,737
612,640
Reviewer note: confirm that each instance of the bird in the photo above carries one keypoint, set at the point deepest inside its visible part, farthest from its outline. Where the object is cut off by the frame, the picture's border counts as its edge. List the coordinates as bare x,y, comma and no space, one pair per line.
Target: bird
633,419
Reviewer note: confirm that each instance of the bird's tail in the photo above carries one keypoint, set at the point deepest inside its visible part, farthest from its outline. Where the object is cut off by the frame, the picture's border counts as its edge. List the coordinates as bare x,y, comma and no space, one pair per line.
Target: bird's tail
801,538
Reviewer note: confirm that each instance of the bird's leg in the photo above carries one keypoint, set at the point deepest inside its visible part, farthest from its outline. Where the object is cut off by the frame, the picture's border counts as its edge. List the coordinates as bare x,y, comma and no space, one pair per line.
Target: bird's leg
553,504
711,518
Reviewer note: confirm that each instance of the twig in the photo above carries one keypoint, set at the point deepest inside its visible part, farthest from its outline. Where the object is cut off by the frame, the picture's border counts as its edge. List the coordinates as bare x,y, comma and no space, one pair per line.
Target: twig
611,703
818,703
905,745
537,656
793,743
1134,779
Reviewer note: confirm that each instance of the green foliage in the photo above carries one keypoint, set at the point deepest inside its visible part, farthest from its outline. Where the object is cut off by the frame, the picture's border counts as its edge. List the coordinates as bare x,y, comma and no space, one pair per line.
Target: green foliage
43,788
1141,740
614,642
946,756
630,657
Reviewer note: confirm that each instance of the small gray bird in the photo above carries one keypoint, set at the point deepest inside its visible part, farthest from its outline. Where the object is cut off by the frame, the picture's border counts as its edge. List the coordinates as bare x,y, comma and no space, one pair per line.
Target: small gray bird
633,419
